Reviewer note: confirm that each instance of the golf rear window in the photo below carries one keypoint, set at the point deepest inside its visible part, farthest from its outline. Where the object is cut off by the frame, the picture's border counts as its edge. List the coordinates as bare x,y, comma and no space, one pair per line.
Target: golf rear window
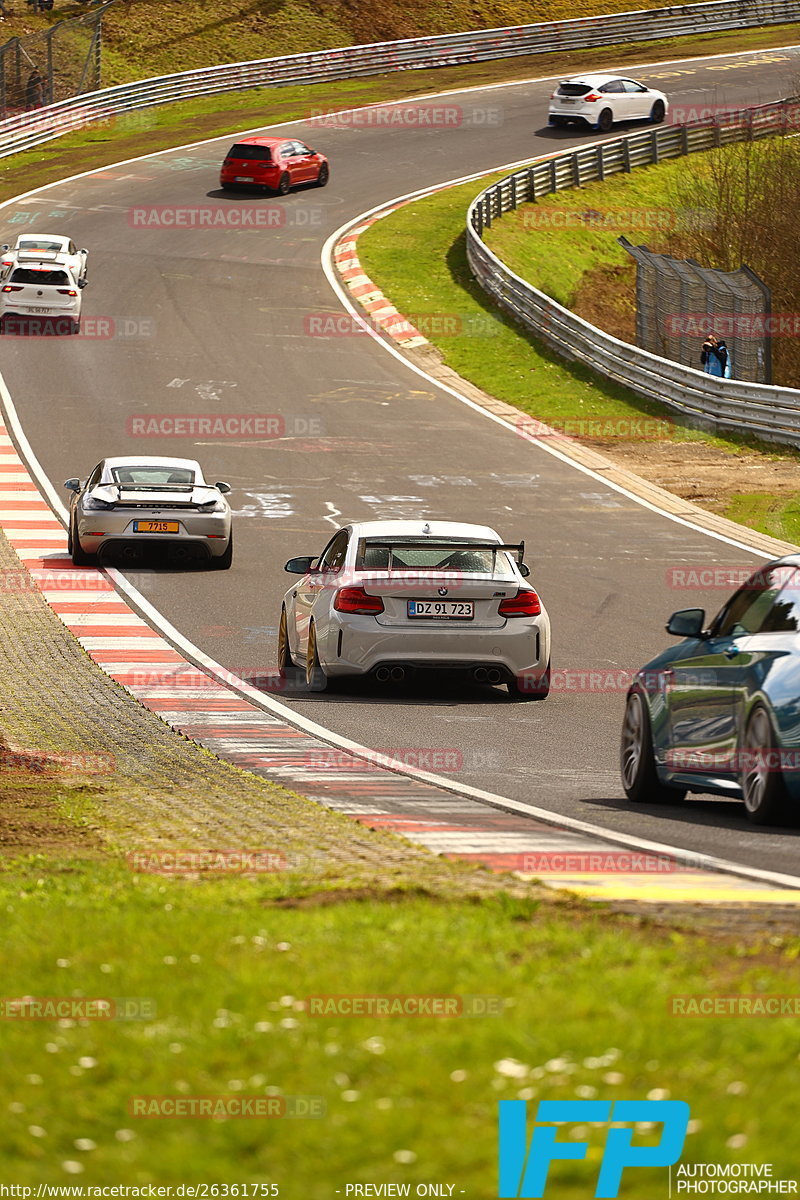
32,275
574,89
253,153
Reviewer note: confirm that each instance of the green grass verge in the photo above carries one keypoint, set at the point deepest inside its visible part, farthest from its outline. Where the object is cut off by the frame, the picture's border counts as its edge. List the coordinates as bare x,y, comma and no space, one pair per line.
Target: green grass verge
558,241
417,256
768,514
407,1099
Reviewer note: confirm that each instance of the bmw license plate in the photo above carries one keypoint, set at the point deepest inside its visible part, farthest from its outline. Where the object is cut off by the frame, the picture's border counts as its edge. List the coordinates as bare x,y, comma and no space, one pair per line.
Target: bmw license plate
155,527
442,610
245,179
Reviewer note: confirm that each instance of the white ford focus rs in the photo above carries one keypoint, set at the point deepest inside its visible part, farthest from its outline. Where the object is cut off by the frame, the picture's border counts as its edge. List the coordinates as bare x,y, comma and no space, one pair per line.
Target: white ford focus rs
598,101
392,598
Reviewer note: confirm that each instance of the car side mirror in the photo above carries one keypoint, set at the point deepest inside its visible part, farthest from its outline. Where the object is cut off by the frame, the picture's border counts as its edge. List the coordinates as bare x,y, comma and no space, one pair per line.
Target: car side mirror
524,570
4,248
300,566
72,485
84,251
688,622
223,487
81,283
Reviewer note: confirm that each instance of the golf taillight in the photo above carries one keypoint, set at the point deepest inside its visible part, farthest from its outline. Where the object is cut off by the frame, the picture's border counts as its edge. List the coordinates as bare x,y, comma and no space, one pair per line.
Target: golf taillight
66,291
10,287
524,604
356,600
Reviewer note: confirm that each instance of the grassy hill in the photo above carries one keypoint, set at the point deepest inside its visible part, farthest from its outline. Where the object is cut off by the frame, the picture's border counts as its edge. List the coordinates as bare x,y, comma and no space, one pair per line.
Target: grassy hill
153,37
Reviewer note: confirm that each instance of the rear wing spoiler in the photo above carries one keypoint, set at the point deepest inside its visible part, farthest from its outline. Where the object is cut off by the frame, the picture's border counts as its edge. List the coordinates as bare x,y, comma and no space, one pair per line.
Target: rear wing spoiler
50,256
152,487
517,548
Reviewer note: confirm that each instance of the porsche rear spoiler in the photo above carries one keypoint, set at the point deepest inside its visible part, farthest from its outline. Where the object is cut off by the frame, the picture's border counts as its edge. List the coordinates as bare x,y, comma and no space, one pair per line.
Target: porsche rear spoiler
153,487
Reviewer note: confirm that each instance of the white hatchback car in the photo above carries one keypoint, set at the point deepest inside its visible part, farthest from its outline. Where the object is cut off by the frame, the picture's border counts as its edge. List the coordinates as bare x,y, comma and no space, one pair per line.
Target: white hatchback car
44,290
390,598
43,245
600,100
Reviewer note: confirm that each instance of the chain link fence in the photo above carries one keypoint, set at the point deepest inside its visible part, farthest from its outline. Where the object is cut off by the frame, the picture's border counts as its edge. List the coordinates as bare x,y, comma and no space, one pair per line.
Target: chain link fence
679,302
56,64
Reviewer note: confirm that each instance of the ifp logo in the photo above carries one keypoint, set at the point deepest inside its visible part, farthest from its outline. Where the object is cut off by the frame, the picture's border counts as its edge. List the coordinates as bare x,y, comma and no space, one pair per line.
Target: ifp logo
524,1170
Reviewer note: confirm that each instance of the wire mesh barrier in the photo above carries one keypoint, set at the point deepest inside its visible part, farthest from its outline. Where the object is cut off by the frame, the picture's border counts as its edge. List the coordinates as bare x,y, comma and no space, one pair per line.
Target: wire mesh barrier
56,64
26,130
771,412
679,302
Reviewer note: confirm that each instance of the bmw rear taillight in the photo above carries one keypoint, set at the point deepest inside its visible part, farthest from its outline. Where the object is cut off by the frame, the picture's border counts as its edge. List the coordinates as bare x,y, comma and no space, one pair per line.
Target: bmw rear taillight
356,600
524,604
12,287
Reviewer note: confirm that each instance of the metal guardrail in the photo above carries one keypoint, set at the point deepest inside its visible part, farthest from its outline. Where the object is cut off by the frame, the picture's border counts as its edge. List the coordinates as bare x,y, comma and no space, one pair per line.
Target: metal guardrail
26,130
773,413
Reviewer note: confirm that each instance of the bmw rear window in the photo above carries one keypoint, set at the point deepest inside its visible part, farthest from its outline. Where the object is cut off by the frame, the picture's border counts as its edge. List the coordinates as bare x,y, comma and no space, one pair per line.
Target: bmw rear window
574,89
446,554
254,153
32,275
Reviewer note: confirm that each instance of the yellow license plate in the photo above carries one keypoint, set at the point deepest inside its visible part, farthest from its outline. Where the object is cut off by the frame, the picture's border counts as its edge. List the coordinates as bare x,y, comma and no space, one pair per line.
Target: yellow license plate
155,527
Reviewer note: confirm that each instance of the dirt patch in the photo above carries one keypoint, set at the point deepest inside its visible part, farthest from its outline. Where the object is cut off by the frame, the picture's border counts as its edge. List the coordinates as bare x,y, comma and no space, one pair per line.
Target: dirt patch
705,474
355,895
774,927
31,822
607,298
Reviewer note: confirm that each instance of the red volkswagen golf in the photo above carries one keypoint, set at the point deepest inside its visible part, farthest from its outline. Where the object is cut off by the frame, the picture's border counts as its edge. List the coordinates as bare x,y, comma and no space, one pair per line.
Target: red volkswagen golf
274,163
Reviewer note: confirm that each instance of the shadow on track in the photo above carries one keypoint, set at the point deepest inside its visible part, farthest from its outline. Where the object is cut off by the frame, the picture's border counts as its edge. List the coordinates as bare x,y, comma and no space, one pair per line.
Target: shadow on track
701,809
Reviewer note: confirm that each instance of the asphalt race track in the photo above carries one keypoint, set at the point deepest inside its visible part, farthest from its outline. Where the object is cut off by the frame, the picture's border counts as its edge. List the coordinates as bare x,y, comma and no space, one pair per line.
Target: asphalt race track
216,321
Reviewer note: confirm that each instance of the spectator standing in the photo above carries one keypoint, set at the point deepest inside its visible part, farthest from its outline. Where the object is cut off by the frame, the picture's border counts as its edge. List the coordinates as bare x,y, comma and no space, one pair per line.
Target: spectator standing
723,354
715,358
34,91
